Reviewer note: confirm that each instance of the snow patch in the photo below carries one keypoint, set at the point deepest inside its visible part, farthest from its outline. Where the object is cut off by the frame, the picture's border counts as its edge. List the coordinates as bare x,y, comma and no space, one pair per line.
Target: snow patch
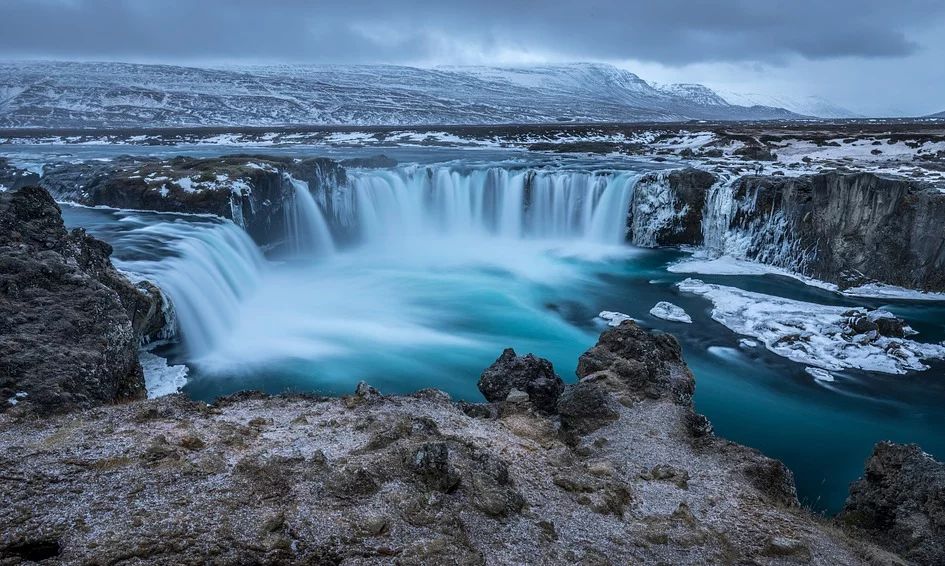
17,397
186,183
700,264
819,374
879,291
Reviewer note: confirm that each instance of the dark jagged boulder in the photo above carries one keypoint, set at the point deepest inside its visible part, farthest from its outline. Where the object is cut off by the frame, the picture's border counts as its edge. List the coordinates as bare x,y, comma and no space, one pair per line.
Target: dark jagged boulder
900,502
647,364
755,153
70,324
529,374
880,322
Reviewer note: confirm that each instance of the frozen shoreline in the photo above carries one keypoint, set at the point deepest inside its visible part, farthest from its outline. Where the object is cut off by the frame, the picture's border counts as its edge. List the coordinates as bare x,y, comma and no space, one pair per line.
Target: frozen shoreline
700,264
821,336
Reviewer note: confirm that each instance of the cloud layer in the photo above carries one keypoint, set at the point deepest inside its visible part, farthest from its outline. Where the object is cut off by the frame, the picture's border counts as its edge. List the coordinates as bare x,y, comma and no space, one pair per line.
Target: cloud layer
672,34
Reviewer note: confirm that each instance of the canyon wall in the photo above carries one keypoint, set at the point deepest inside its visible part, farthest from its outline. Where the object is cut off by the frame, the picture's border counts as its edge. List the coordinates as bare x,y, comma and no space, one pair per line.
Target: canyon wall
845,228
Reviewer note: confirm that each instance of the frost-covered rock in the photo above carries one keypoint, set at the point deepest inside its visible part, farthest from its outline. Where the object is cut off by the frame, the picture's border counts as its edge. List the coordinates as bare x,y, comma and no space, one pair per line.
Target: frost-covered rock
669,311
850,229
667,208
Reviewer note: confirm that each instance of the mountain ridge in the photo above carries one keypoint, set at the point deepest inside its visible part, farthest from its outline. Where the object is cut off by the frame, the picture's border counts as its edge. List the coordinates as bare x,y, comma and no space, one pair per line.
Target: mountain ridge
806,105
75,94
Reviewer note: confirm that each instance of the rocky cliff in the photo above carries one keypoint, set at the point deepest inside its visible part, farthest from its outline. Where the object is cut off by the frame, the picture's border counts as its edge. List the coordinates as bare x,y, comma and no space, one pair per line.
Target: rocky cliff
668,207
614,469
252,191
844,228
70,324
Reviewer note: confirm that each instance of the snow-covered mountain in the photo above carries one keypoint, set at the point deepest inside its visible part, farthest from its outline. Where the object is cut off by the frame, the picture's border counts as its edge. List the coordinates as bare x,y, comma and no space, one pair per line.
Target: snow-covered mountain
695,93
939,115
806,105
70,94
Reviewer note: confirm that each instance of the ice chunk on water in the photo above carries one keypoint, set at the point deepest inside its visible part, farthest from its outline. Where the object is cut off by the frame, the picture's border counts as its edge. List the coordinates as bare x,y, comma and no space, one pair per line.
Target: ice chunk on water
614,318
669,311
161,379
812,334
819,374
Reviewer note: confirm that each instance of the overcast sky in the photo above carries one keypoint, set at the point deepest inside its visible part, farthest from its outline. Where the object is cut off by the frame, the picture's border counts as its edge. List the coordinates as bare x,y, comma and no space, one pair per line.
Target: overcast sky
876,57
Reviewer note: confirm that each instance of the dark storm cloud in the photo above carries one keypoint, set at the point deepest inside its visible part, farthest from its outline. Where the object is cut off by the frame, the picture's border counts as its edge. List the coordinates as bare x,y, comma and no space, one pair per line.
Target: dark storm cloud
672,32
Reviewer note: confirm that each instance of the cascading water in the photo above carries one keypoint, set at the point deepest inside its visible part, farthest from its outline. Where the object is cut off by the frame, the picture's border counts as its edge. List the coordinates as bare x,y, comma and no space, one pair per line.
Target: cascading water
209,268
440,201
719,207
306,229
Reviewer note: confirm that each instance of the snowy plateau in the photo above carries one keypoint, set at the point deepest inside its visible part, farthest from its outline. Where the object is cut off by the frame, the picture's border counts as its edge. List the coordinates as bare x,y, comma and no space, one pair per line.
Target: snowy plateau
120,95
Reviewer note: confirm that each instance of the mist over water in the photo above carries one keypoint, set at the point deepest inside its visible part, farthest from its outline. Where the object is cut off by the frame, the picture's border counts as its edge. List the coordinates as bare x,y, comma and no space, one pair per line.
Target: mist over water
442,268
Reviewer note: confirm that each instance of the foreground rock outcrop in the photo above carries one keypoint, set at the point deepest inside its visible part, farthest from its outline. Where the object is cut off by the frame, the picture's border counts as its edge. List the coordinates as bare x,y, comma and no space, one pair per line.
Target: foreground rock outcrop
527,375
900,502
70,324
622,472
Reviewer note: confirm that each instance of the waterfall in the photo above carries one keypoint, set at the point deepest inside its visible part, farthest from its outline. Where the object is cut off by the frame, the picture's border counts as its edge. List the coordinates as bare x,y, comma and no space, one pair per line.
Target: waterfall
213,266
306,227
736,226
717,216
412,202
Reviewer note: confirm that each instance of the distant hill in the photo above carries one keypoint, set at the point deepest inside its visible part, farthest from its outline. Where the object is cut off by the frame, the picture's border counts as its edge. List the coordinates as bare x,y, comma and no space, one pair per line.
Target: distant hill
939,115
806,105
77,95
